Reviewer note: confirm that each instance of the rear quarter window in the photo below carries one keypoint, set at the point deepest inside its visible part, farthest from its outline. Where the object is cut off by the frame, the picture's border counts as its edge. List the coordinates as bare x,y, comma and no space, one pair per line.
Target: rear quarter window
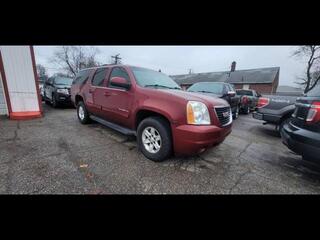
81,77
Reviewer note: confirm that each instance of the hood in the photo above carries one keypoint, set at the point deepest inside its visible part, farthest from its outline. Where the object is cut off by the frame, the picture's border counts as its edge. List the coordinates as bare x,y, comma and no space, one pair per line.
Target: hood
211,94
211,99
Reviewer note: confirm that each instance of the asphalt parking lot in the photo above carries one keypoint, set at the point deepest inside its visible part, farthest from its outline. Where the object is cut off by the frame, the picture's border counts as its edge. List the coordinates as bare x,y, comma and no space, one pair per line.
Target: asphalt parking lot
57,155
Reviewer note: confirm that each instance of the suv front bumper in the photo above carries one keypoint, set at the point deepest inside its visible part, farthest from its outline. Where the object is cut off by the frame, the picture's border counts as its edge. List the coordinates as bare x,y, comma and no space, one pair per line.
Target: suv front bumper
301,141
192,139
63,98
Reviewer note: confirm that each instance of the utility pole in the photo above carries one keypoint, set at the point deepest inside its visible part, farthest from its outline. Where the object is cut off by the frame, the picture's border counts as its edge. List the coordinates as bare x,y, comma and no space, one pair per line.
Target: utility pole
190,71
116,58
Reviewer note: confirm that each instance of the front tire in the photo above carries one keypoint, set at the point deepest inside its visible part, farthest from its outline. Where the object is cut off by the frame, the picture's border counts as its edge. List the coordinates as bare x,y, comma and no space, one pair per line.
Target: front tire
154,138
82,113
54,101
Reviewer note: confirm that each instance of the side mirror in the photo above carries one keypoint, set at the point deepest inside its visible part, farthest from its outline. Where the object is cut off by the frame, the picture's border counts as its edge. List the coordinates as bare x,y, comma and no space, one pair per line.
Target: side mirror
231,93
120,82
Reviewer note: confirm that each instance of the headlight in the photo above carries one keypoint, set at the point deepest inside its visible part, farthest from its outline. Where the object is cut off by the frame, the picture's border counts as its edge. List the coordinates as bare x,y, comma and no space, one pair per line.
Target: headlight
197,113
65,91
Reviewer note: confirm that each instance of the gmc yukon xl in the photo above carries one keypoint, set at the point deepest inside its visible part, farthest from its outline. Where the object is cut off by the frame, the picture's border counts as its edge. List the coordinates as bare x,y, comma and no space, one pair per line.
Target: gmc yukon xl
150,105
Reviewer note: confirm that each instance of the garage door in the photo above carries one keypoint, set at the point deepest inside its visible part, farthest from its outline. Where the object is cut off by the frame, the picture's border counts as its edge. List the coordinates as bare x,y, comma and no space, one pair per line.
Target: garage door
3,105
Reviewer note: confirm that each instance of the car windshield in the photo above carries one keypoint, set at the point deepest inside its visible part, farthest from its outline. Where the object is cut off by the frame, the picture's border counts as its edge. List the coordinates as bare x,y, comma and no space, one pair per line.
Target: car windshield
216,88
149,78
63,81
244,92
315,92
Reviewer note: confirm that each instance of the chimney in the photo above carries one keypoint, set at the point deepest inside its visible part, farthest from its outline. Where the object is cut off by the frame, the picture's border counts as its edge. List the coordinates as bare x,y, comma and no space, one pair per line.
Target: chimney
233,66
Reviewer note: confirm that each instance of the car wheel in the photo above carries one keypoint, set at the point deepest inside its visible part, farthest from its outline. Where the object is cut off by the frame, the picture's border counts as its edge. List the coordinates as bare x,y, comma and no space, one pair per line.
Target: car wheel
54,101
235,115
83,114
154,138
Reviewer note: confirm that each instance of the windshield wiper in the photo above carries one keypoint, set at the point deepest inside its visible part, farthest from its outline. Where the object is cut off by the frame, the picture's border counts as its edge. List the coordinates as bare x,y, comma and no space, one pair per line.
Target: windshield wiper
163,86
203,91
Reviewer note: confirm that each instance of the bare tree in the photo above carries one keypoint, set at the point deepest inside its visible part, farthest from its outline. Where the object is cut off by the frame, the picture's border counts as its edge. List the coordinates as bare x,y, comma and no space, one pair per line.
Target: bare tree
42,72
312,74
71,59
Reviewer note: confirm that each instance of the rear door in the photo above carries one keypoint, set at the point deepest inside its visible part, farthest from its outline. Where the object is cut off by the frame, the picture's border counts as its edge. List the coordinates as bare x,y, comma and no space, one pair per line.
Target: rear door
97,91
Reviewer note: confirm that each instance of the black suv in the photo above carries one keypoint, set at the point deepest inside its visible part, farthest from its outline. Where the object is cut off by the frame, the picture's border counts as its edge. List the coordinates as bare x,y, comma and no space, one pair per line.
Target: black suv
56,90
221,90
302,133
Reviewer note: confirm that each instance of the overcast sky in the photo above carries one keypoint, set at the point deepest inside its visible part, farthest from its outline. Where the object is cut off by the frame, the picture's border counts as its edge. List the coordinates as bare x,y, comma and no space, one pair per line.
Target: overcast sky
179,59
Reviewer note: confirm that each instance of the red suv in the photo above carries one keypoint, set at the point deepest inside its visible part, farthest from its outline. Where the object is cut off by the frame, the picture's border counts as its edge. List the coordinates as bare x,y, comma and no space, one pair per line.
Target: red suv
150,105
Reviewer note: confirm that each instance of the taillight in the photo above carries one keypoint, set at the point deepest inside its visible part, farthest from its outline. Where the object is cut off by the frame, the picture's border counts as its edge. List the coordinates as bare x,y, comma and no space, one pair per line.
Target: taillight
262,102
245,99
314,113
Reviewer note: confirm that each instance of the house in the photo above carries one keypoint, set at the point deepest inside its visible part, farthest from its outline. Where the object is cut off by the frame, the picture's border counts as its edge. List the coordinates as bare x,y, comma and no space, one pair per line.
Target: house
263,80
19,90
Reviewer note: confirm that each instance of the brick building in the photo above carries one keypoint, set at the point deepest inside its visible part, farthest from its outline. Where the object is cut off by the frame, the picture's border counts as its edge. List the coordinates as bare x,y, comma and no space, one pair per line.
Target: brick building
263,80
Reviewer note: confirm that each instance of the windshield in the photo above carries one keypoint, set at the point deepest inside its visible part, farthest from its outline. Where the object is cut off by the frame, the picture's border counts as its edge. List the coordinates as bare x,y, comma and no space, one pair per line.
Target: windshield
244,92
315,92
216,88
63,81
149,78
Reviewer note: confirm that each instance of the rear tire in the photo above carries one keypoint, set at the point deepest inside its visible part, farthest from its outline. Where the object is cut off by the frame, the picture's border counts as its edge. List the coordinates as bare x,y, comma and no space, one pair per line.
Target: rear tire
82,113
154,139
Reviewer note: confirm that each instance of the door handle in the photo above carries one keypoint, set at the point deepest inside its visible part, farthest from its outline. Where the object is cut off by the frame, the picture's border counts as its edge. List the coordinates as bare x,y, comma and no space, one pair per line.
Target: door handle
107,94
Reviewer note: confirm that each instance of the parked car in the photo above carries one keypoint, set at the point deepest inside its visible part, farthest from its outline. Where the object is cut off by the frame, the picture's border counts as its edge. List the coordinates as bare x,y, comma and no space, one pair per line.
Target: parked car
150,105
275,110
302,133
57,90
221,90
248,100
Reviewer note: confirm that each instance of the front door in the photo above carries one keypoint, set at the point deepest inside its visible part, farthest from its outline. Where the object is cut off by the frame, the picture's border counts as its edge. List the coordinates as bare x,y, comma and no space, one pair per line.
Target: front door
117,101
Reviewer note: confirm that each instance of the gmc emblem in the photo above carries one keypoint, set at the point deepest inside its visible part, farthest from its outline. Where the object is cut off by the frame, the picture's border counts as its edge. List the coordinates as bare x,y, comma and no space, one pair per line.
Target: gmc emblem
225,114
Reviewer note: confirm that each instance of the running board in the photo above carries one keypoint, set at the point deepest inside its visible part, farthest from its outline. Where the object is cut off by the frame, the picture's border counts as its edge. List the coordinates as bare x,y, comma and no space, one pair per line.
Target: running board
114,126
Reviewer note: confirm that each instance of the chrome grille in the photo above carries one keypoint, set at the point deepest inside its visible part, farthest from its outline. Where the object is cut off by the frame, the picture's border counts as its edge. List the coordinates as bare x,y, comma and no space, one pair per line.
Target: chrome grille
224,115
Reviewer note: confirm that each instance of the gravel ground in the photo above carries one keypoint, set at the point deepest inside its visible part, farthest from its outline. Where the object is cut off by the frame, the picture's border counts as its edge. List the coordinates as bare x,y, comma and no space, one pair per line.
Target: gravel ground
58,155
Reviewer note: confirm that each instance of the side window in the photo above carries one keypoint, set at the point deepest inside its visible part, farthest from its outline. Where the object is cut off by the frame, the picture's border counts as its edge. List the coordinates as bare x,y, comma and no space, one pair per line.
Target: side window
99,76
118,72
81,77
